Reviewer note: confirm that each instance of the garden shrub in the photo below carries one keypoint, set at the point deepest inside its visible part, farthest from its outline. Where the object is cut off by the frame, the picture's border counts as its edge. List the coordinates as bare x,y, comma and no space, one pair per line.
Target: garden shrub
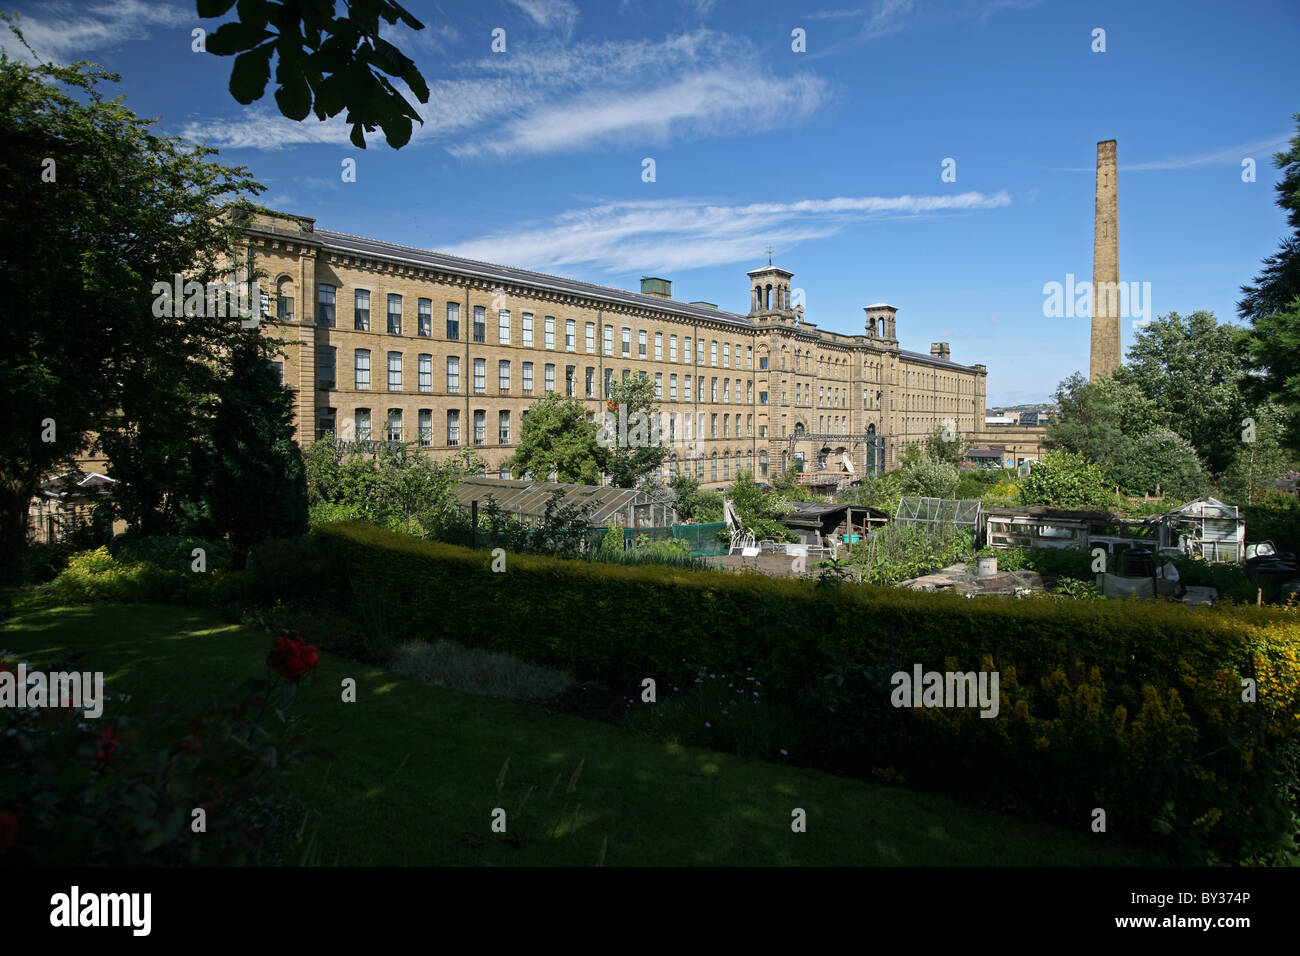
1230,579
615,540
1066,479
43,562
1135,707
97,576
928,478
171,553
121,790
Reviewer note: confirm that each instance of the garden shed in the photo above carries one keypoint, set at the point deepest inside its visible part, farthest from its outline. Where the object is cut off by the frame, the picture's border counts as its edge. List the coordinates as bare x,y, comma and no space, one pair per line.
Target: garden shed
824,524
526,500
67,502
1206,527
1040,526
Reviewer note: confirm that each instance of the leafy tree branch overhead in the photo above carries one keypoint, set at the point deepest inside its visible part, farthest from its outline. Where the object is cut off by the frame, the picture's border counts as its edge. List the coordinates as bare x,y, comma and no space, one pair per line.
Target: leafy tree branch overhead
325,63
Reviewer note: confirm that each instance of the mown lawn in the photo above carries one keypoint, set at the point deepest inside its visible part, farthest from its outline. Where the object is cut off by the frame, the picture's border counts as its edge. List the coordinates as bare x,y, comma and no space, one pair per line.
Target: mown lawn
415,780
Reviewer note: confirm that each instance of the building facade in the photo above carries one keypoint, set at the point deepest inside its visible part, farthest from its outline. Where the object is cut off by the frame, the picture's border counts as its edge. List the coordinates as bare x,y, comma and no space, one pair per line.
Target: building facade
388,342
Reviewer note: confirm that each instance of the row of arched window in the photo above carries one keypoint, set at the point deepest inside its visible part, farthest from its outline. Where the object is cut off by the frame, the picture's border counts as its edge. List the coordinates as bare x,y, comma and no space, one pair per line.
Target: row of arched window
695,464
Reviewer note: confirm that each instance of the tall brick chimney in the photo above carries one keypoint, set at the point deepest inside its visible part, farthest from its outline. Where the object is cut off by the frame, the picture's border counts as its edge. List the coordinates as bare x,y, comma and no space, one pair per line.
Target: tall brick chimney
1105,267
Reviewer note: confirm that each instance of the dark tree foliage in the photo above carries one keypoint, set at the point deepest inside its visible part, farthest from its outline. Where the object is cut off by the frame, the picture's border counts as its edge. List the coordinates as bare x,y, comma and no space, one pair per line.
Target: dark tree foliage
327,60
255,483
97,209
1272,304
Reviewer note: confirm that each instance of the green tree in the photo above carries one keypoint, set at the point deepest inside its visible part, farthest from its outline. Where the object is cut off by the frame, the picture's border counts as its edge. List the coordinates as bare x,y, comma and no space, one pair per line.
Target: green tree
417,494
156,443
944,445
911,455
787,483
1272,304
630,453
329,58
693,503
342,484
1066,479
107,208
927,477
1261,461
556,434
256,485
1100,420
874,491
759,512
1161,461
399,488
1194,370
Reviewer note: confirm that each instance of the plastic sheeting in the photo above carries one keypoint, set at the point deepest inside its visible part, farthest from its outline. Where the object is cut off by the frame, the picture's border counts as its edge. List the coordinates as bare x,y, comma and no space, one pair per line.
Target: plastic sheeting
1114,586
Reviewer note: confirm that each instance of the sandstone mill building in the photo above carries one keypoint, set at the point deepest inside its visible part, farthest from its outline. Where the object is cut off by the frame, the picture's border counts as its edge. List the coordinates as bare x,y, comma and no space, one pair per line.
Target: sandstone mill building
388,342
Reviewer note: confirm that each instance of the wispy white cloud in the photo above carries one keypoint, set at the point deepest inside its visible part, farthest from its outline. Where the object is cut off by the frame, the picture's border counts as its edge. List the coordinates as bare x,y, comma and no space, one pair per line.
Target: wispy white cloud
682,234
701,8
718,101
883,18
1232,156
434,38
558,15
853,13
887,16
1259,150
63,31
694,84
262,127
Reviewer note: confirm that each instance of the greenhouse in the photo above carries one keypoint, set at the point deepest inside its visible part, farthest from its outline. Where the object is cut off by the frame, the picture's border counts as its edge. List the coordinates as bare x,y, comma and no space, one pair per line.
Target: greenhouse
526,500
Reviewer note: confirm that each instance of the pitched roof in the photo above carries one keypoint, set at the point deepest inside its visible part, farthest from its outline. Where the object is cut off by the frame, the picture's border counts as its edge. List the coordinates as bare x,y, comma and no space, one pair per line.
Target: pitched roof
342,242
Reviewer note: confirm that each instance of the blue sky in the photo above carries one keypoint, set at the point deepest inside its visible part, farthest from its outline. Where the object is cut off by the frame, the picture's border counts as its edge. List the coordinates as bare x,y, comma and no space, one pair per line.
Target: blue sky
534,157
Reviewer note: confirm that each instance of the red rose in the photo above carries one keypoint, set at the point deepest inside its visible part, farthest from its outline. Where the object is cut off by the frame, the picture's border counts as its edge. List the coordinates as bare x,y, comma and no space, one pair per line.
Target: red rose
611,406
291,658
189,746
8,829
108,742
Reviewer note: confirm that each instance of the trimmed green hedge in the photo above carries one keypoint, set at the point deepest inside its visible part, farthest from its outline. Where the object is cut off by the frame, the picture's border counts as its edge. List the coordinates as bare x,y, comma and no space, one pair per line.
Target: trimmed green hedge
614,622
1128,706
